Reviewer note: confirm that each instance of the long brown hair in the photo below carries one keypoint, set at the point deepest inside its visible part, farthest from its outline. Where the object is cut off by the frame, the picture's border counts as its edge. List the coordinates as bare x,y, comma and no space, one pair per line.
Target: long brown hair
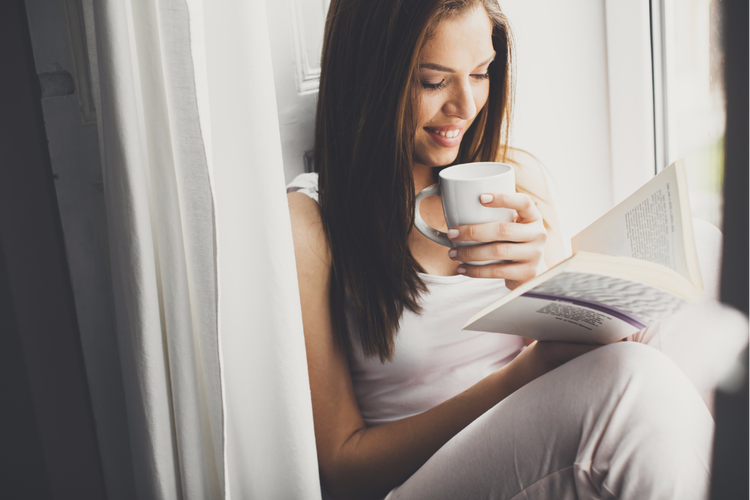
364,135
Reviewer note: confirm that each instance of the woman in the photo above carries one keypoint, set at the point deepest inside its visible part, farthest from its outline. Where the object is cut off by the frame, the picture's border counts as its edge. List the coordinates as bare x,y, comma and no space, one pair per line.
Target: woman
404,403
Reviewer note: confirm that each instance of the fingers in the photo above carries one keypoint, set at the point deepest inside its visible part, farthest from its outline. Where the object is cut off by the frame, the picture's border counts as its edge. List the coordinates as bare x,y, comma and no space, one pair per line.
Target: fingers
511,271
519,202
519,245
562,352
541,357
571,350
499,231
498,250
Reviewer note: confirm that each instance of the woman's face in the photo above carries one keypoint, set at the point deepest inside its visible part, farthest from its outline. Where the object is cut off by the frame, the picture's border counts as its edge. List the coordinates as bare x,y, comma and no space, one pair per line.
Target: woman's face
452,85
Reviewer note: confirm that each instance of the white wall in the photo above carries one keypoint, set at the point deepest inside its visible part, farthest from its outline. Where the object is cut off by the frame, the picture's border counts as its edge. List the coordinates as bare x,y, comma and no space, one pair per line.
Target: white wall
562,105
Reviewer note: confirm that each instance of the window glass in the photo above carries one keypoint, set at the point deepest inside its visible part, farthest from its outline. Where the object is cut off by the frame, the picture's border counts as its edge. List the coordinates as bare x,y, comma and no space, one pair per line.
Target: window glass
695,99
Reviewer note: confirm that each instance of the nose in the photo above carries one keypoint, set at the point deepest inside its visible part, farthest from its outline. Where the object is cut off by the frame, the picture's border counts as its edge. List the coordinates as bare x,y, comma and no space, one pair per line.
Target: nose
461,102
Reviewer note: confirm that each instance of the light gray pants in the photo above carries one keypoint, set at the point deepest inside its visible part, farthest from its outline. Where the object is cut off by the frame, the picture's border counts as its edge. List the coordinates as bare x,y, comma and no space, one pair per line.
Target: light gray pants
619,422
622,422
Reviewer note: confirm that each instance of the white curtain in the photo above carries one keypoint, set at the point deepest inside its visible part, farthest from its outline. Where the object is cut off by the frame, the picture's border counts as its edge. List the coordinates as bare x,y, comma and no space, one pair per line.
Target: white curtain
207,309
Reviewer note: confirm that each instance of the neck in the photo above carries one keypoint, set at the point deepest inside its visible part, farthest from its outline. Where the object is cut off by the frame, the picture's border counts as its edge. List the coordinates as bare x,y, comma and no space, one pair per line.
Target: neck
423,176
431,256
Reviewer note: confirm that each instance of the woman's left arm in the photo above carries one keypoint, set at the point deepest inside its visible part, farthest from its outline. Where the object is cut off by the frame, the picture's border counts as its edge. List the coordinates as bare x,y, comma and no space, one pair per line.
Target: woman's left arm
520,244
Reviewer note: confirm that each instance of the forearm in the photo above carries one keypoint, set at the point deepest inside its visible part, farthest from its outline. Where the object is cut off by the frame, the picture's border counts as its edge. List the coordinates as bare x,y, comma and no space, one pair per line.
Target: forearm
375,460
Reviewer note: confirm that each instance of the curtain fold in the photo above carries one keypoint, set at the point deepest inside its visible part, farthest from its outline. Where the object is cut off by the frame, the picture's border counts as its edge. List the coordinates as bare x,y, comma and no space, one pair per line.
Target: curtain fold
270,450
207,309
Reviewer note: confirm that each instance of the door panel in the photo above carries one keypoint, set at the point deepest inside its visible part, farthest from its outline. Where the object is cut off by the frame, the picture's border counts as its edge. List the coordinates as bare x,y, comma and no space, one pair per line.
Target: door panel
296,33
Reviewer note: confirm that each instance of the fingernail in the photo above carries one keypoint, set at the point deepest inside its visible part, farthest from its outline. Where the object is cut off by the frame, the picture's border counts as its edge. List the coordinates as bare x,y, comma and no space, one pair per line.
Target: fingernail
452,252
453,233
461,270
486,198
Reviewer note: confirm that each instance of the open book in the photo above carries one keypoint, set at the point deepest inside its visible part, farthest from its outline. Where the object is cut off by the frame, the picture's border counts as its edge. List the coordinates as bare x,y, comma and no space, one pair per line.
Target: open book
632,267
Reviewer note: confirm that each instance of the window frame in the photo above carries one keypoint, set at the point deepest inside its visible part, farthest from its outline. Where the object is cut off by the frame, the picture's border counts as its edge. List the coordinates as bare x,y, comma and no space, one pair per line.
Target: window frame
662,27
636,127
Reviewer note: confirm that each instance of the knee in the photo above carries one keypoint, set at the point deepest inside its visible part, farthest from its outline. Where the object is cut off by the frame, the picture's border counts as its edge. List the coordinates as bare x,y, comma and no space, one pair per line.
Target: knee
642,374
627,362
629,356
643,384
652,425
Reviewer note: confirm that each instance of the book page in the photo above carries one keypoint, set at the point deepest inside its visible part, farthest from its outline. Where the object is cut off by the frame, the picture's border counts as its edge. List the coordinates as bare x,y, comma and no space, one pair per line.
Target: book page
647,225
635,300
553,320
580,307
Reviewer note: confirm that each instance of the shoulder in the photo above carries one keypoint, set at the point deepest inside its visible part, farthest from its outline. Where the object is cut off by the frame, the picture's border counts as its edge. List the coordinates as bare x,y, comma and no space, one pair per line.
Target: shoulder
521,157
531,174
311,247
310,241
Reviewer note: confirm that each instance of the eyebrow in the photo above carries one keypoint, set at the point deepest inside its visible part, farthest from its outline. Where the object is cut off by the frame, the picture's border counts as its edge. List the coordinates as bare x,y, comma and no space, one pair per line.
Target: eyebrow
438,67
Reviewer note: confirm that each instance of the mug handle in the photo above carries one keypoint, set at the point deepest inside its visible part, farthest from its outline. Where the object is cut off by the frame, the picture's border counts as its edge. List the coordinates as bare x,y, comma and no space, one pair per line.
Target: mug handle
424,228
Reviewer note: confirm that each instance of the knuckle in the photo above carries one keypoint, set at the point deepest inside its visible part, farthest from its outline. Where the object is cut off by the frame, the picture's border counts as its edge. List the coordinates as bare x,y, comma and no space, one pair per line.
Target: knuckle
471,231
540,251
529,274
527,201
502,228
496,272
499,250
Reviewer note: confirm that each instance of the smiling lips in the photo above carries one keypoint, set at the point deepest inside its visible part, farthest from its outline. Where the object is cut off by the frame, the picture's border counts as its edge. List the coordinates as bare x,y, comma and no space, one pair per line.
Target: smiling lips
448,136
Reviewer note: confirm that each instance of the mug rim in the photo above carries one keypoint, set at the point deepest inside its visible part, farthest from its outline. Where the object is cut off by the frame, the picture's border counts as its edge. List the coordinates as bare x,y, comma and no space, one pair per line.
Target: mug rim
445,173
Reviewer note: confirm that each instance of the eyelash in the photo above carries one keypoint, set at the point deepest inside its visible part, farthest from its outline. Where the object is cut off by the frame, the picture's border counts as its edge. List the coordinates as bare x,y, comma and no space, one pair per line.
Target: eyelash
434,86
441,85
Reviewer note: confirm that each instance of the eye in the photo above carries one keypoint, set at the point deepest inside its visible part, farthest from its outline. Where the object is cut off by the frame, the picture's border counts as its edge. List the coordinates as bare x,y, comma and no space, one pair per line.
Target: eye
434,86
483,76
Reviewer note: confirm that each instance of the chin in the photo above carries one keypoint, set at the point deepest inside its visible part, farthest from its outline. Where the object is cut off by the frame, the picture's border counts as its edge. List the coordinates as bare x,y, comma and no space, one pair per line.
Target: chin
438,160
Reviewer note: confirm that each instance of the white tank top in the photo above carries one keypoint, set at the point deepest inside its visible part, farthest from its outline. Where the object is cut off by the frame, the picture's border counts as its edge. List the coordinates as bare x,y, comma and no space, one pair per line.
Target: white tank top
434,360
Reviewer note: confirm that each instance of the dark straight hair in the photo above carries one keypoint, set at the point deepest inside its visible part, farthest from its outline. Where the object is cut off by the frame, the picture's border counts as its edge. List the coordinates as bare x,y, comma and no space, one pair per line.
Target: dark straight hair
364,139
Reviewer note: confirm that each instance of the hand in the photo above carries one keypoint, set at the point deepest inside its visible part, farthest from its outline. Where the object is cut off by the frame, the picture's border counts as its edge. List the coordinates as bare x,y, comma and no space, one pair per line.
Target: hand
519,244
540,358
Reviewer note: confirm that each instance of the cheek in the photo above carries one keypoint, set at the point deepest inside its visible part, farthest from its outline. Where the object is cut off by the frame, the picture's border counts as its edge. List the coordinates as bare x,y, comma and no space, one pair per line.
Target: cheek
426,108
481,96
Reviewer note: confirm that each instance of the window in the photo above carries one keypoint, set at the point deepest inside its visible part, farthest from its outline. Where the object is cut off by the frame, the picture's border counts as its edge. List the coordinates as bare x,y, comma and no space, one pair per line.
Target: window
689,97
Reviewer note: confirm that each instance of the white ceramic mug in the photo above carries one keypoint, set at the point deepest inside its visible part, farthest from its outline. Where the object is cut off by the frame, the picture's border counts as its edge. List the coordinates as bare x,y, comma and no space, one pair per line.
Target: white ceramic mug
460,187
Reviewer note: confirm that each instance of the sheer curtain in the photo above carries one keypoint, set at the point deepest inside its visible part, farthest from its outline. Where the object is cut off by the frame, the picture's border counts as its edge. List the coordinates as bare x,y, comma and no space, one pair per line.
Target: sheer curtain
207,309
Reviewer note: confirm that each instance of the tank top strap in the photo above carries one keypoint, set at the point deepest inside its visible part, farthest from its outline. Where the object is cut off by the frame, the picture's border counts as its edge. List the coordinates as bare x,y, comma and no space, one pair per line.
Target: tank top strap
305,184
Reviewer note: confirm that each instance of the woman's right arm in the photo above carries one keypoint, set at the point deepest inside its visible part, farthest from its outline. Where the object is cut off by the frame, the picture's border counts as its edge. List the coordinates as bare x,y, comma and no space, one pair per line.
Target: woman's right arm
360,462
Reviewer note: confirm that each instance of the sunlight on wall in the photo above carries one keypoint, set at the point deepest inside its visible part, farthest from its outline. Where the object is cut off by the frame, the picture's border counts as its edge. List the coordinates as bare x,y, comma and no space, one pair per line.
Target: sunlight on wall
695,93
562,101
